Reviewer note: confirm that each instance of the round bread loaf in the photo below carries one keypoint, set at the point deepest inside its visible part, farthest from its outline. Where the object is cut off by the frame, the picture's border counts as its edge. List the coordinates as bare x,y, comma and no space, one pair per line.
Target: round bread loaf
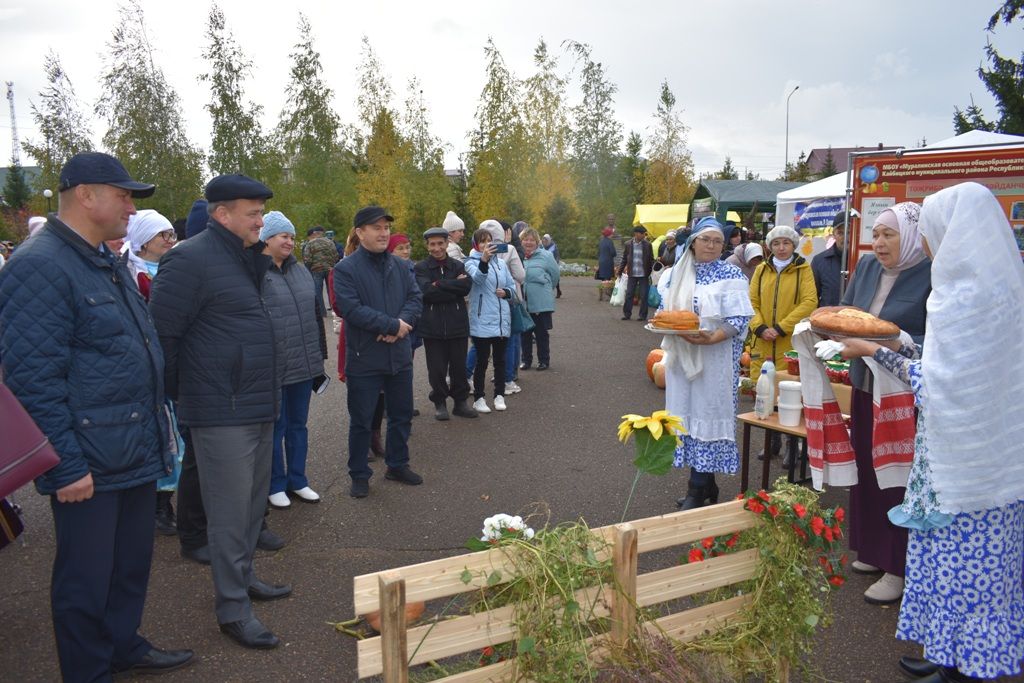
849,321
676,320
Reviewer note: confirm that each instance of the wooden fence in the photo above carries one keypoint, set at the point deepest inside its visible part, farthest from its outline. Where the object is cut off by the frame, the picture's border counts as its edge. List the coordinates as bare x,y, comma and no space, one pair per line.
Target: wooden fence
399,647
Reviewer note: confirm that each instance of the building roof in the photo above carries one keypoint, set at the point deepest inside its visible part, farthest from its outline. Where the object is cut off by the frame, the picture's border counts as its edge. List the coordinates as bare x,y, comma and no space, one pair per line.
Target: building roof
840,157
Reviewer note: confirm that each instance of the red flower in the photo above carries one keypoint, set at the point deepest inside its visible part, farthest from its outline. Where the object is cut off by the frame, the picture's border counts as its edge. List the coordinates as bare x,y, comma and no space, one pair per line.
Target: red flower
800,510
773,511
828,534
843,559
817,525
836,580
800,532
763,495
837,531
708,542
822,560
754,505
840,515
696,555
732,540
739,496
487,651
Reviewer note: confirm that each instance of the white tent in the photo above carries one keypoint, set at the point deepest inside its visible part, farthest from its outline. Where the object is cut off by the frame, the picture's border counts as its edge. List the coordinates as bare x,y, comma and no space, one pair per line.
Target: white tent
974,138
785,202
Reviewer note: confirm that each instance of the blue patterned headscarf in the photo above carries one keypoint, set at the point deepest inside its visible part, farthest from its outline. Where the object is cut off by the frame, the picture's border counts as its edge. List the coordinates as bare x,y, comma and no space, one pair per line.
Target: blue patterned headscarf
706,223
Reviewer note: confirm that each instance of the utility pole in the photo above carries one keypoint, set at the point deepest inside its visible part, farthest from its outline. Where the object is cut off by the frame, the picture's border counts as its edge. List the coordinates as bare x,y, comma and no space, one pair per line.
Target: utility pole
15,156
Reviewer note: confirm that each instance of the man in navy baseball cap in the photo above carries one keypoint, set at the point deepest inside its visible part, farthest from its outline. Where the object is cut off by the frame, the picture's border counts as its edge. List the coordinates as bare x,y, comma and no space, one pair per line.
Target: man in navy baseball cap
97,168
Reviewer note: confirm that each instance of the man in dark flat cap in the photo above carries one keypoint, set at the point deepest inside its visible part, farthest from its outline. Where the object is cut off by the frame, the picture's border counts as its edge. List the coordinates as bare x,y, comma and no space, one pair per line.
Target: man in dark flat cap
376,294
221,368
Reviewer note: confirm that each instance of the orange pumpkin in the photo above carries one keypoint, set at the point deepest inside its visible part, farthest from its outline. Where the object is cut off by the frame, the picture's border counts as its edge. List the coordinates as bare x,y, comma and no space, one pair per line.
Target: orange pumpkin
659,375
653,357
413,611
745,360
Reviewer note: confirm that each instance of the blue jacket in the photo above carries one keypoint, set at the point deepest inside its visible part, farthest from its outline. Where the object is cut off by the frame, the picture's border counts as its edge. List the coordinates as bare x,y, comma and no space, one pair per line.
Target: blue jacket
80,352
489,315
826,267
372,291
605,259
905,305
541,280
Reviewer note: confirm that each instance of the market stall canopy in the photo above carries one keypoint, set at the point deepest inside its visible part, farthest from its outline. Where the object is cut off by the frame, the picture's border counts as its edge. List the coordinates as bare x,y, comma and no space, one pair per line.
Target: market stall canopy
826,194
660,218
740,195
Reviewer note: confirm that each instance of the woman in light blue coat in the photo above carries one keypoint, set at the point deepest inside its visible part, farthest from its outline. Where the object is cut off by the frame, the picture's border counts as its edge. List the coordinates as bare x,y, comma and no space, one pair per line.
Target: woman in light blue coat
539,291
490,318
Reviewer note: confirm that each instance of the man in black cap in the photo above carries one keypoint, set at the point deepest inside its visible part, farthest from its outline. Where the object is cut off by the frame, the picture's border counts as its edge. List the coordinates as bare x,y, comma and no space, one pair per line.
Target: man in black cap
377,296
221,368
637,263
827,266
81,354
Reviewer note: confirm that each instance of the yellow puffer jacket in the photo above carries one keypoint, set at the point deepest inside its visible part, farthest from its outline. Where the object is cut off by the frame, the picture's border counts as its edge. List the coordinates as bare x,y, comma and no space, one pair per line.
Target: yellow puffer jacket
780,300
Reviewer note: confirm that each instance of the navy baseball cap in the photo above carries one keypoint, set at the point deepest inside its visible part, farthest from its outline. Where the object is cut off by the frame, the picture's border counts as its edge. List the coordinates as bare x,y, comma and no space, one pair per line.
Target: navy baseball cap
225,188
371,214
97,168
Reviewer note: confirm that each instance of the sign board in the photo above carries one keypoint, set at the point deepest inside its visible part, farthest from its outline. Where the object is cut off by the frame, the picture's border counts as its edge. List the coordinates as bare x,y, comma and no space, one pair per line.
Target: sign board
700,208
881,180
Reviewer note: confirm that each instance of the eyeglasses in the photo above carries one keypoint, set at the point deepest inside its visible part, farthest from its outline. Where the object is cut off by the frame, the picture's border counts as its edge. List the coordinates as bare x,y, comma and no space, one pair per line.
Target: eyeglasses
710,241
169,236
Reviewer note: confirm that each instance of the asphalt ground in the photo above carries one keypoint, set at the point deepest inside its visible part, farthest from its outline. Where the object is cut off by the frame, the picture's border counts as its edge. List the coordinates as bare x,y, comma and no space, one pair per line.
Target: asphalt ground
554,445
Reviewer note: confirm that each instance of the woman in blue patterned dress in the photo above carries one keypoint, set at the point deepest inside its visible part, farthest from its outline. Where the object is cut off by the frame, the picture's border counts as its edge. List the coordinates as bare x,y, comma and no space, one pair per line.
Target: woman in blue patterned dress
964,600
701,371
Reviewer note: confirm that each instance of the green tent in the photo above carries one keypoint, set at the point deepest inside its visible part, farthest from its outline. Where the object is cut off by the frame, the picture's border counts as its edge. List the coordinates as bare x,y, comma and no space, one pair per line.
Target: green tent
722,196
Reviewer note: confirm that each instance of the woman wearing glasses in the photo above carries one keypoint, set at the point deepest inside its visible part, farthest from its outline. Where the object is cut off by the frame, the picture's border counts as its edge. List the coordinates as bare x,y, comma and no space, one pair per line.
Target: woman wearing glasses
150,236
701,371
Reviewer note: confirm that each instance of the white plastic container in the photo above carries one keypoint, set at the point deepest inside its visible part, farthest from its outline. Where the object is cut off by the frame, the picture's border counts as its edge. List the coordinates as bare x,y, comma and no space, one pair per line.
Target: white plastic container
790,404
764,403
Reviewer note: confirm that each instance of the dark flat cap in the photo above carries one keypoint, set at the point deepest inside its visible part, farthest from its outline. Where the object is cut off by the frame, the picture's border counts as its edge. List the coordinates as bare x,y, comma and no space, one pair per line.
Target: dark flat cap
841,216
435,232
639,228
224,188
97,168
370,214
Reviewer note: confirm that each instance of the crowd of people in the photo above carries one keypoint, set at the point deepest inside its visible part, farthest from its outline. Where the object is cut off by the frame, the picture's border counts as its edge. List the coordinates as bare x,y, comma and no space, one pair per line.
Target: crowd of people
161,358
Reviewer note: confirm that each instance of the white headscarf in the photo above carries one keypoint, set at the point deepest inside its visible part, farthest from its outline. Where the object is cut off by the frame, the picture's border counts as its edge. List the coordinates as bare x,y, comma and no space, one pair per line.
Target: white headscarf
35,224
903,218
973,345
144,226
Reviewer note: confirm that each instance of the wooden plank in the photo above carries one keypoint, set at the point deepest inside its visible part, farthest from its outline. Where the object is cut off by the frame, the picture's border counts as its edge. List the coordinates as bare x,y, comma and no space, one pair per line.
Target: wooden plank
467,633
693,623
493,673
696,577
624,572
442,578
392,628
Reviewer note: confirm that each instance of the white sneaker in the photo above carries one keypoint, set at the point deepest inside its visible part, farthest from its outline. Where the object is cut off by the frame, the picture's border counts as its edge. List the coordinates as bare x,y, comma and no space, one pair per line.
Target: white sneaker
885,591
512,388
499,403
279,500
864,567
480,406
307,495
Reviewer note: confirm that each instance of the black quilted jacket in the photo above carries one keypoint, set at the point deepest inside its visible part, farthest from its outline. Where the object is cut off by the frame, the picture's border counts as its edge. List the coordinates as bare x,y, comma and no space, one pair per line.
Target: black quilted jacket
215,328
80,352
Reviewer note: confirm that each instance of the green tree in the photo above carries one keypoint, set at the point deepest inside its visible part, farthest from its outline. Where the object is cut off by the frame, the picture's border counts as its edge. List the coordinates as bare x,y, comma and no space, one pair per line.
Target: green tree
429,193
798,171
498,144
670,178
634,168
727,172
146,128
547,130
16,189
829,169
61,124
596,142
238,144
1004,79
559,219
319,180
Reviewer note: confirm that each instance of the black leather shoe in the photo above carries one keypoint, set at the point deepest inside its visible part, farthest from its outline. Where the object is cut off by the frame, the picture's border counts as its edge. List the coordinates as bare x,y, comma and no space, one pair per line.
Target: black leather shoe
625,317
525,366
463,409
260,590
404,475
157,661
441,412
918,668
360,488
251,633
946,674
268,540
542,366
200,555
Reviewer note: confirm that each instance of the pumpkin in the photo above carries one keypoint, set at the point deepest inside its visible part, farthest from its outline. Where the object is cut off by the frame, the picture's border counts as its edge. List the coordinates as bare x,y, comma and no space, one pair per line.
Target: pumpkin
745,360
653,357
659,375
413,611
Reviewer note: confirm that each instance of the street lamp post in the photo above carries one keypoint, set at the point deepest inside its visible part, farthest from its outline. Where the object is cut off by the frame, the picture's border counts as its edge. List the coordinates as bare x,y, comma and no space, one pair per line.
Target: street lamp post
47,193
785,169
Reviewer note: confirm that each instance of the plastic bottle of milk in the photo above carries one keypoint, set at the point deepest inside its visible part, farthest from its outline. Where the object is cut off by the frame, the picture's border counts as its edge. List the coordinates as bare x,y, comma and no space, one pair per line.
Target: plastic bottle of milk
764,403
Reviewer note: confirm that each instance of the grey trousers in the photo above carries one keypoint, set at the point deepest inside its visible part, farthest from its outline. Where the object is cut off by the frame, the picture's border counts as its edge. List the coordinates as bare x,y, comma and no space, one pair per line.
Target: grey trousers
234,476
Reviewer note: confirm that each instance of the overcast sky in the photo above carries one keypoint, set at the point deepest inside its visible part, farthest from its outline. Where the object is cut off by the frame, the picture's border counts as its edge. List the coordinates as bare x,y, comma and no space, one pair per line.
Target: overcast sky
869,71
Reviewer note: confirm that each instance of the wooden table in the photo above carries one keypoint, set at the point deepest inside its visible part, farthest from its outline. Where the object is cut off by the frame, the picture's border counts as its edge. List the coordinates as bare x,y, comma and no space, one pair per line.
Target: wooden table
771,424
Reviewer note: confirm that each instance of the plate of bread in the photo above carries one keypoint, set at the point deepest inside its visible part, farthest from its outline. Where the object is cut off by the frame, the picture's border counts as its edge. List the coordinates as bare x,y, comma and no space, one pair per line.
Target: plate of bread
849,321
675,322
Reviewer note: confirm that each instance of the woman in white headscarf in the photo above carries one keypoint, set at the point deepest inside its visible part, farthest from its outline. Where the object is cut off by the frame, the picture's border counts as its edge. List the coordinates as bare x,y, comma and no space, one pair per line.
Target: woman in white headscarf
701,372
150,236
747,257
892,283
964,599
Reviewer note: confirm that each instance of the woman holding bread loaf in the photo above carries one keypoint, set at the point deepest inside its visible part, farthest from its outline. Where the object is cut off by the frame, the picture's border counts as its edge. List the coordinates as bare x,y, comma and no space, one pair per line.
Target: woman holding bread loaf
701,370
892,283
964,600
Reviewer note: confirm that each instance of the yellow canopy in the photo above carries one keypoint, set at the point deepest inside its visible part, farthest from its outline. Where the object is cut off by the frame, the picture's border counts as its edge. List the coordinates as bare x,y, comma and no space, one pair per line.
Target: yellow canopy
660,218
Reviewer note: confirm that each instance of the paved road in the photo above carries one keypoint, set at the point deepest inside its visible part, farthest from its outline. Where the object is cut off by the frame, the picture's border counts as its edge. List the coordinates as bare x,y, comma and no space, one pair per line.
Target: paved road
556,444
